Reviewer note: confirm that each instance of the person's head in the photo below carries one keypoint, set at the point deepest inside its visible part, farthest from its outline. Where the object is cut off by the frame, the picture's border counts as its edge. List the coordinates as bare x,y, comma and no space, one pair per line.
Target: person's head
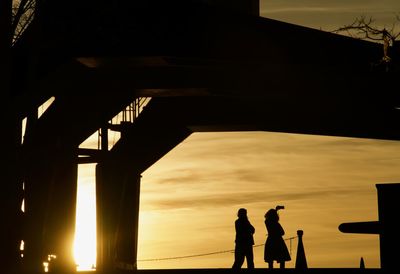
271,215
242,213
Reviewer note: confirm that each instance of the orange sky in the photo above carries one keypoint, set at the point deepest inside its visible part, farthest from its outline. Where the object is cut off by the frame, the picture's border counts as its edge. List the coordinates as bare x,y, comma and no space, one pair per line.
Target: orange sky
190,197
330,15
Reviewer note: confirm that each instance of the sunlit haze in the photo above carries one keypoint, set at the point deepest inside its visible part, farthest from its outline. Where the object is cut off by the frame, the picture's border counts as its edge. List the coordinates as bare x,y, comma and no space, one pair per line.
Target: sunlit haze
85,234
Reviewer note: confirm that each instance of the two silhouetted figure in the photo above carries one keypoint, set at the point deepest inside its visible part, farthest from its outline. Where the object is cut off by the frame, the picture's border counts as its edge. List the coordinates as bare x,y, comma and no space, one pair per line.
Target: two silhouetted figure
244,241
275,248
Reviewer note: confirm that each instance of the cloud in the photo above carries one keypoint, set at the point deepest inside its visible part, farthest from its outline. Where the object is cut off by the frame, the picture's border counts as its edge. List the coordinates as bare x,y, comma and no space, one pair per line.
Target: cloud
233,199
332,6
251,168
330,15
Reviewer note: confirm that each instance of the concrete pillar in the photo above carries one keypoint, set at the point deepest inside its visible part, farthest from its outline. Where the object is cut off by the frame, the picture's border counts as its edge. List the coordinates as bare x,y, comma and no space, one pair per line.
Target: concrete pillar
61,214
389,208
387,227
10,186
50,209
117,198
128,224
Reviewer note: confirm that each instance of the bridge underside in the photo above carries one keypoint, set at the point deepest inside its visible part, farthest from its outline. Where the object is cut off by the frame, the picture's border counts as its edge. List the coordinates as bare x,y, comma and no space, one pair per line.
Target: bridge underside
206,70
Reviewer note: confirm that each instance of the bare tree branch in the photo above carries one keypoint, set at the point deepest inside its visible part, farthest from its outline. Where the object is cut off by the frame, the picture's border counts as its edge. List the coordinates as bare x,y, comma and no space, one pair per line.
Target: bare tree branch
362,28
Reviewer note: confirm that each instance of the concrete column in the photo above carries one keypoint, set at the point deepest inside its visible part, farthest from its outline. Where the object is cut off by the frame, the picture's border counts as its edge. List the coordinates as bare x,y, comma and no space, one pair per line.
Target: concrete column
117,196
61,214
128,224
10,186
108,186
50,207
389,208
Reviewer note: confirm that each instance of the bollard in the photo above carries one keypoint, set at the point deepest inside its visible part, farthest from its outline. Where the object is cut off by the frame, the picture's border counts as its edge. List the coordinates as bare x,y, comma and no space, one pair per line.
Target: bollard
362,264
301,262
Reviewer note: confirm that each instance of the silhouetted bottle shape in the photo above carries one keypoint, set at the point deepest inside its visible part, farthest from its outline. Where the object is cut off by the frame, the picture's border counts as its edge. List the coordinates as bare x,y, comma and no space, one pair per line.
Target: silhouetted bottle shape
362,264
301,262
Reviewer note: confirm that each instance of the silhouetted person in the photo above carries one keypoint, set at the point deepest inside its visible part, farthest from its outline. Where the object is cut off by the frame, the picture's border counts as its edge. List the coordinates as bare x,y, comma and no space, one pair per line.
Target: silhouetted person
244,241
275,247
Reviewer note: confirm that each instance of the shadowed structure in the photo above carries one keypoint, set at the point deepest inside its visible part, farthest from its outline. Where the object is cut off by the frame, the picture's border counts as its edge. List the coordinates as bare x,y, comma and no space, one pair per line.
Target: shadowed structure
207,66
387,227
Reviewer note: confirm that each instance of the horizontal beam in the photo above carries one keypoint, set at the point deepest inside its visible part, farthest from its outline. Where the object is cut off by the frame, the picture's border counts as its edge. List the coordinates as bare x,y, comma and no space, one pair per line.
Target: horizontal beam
90,156
372,227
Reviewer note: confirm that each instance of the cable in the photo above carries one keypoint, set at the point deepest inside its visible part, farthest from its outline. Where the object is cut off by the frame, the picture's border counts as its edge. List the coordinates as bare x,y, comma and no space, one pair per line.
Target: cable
206,254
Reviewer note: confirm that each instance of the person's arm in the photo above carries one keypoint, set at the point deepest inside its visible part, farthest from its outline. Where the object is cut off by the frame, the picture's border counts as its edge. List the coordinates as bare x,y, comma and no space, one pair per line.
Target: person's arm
281,231
252,229
237,227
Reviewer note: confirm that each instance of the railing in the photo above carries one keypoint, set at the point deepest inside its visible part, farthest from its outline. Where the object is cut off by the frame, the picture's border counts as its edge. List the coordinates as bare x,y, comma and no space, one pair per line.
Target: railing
210,253
128,115
132,111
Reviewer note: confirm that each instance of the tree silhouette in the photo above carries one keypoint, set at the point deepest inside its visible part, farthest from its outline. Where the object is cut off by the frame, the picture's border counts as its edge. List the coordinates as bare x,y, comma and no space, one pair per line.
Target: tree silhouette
363,28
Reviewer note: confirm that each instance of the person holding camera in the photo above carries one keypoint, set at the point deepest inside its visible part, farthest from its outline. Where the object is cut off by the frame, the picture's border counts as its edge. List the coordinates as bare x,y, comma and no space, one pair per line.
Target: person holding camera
275,247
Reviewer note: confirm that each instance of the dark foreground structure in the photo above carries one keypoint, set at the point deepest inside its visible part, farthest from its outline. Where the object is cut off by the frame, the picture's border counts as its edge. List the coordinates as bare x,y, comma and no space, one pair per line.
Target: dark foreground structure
257,271
387,227
206,65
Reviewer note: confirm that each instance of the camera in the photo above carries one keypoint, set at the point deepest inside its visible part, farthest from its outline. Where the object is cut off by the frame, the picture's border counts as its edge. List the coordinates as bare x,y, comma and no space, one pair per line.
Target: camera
279,207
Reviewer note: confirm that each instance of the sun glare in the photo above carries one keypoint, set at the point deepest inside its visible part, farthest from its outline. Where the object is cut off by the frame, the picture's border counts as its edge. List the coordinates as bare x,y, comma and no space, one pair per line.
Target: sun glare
85,232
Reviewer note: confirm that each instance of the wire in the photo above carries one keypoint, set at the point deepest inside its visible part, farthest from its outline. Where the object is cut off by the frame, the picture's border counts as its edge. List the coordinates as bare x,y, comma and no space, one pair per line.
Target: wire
206,254
187,256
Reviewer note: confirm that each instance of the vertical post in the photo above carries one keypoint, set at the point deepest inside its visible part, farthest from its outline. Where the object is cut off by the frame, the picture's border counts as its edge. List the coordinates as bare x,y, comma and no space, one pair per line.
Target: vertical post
109,181
10,186
117,196
51,184
102,250
104,138
128,223
36,183
99,221
60,231
301,262
389,208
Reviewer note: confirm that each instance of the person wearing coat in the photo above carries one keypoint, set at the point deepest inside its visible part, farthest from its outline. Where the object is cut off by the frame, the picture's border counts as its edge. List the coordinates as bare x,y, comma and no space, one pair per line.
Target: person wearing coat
275,248
244,241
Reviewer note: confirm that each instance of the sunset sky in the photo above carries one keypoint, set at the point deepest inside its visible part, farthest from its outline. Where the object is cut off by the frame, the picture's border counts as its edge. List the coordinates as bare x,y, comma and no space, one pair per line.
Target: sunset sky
329,15
190,198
